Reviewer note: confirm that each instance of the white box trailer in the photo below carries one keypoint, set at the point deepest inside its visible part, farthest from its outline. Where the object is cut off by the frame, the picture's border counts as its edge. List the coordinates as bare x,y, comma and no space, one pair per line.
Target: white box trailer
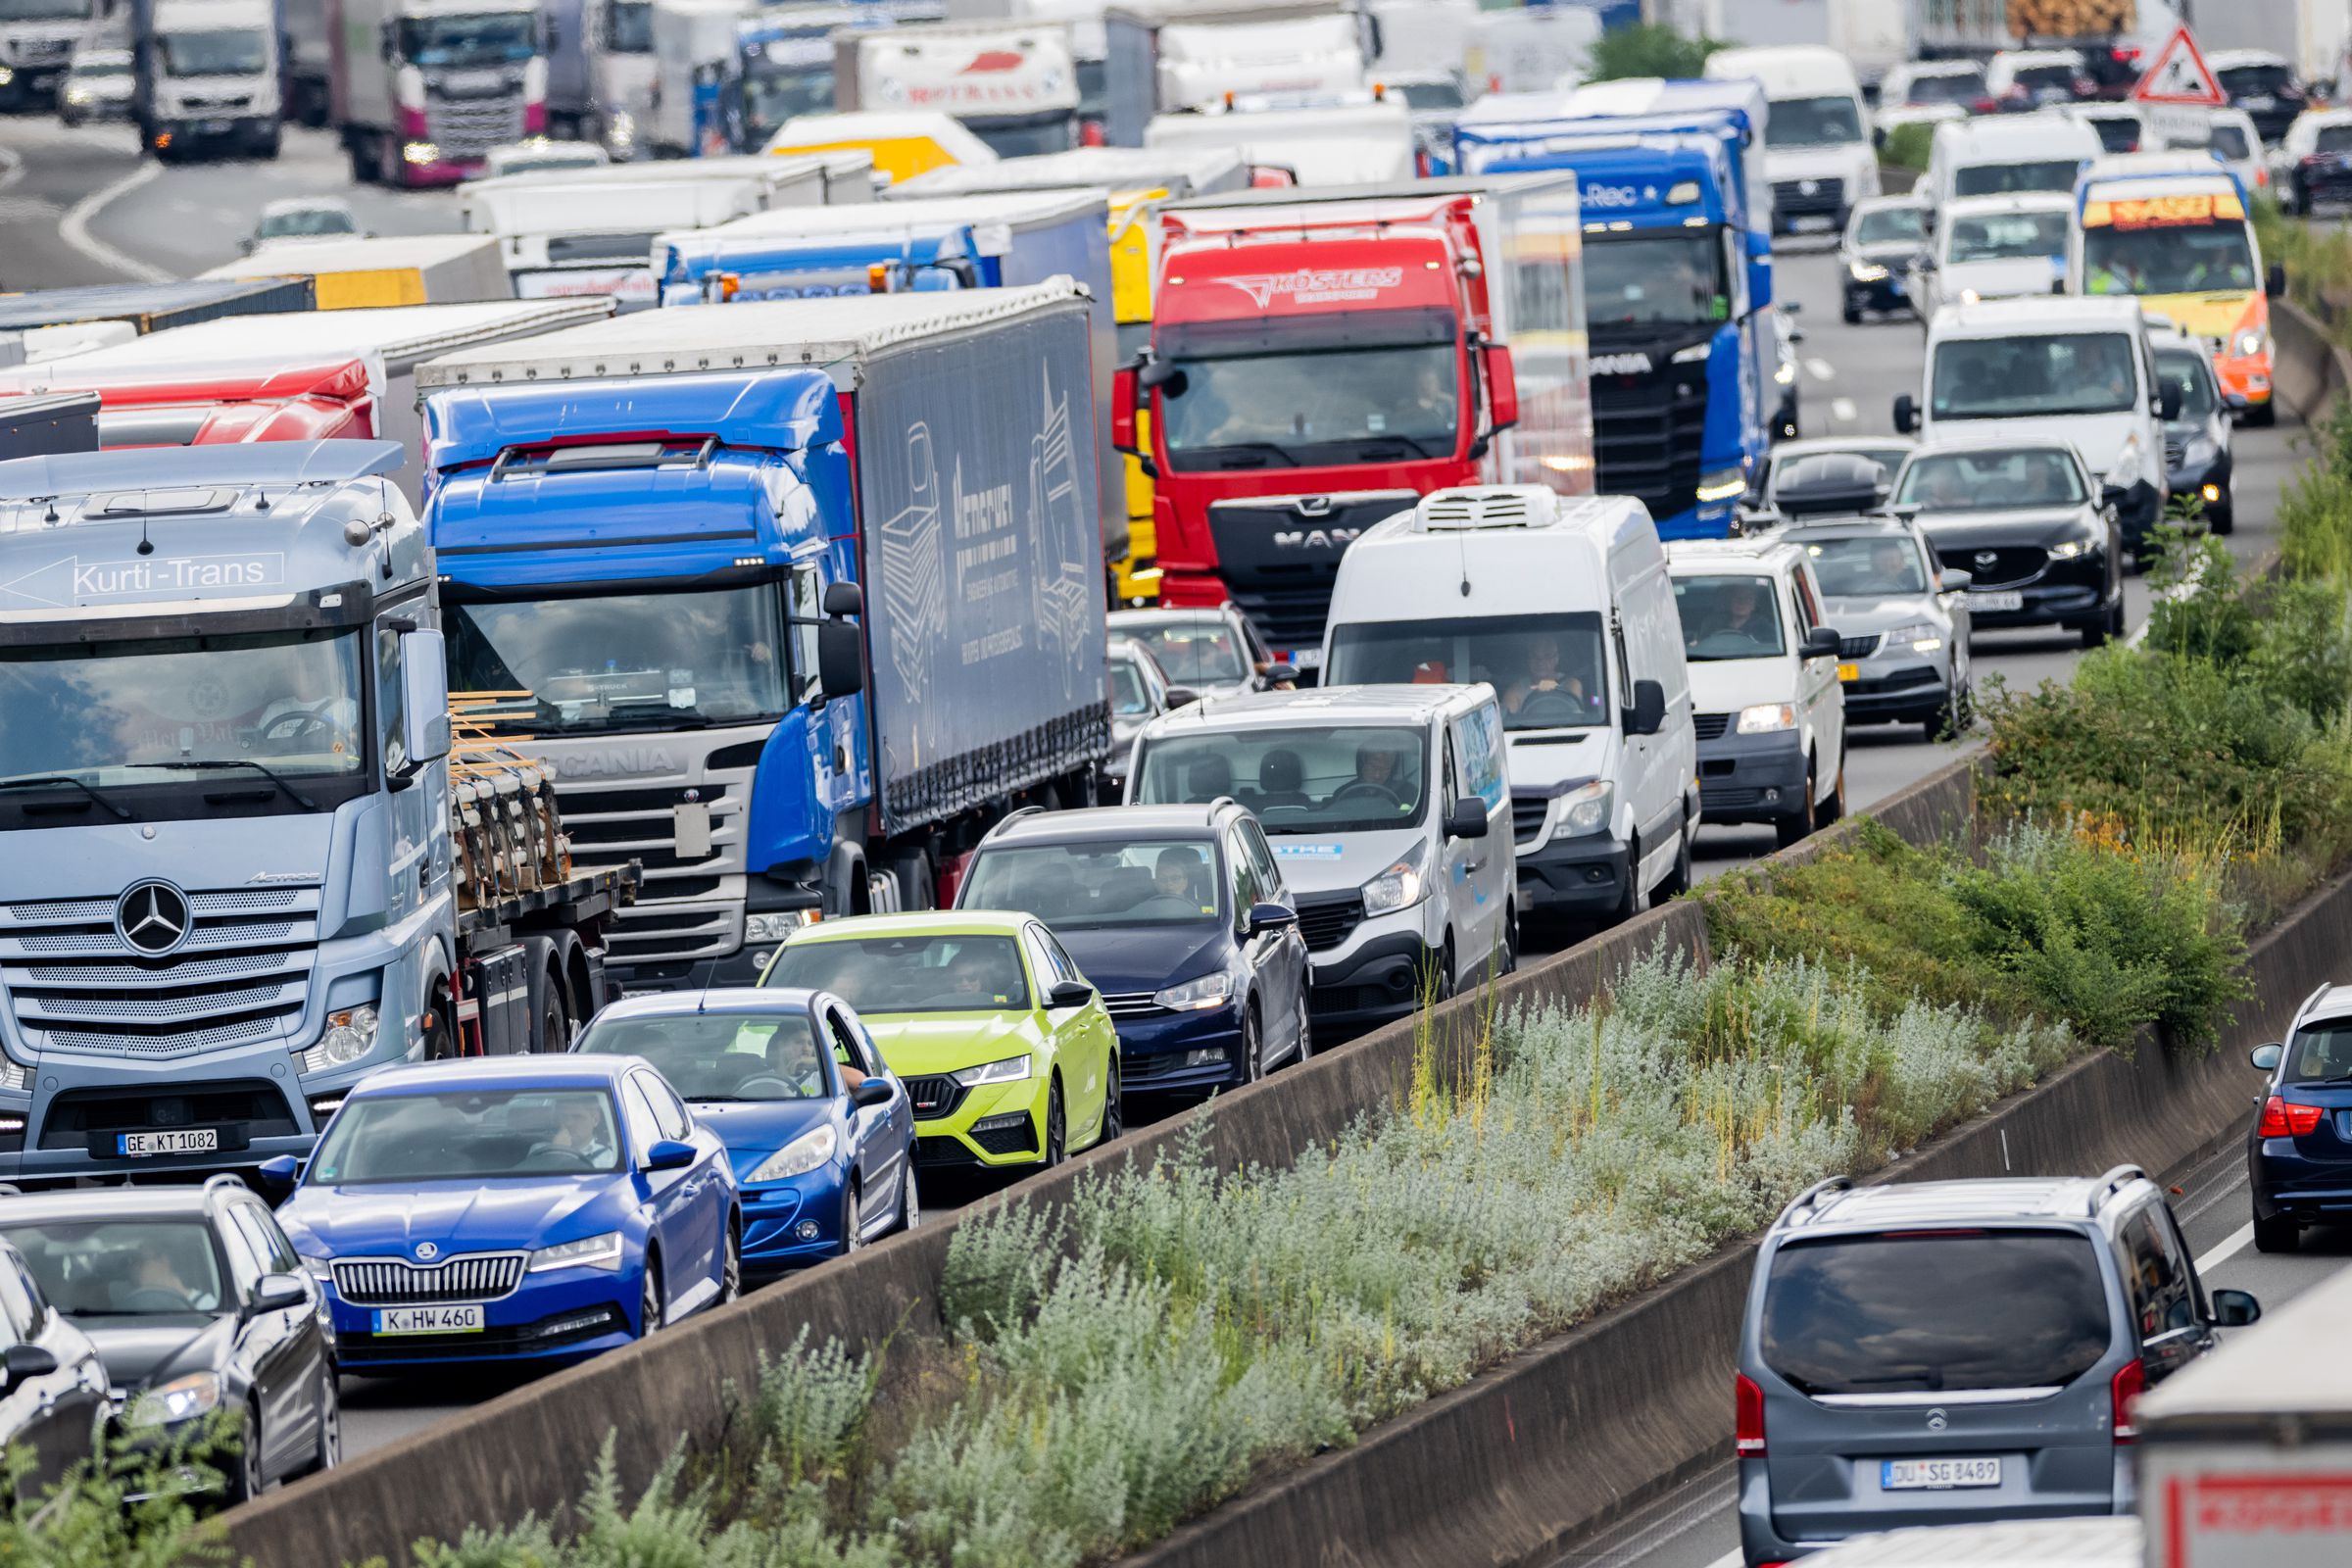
690,37
1344,144
1166,55
1533,49
1014,87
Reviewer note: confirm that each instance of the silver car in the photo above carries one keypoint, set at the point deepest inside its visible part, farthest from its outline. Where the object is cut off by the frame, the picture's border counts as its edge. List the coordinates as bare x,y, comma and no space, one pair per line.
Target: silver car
1901,619
1140,692
1216,653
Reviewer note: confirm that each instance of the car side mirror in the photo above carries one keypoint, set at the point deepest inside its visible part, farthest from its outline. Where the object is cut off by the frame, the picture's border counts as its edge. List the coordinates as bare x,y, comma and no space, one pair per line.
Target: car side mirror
1820,642
2266,1057
278,1292
669,1155
1181,697
1466,819
839,659
1281,672
843,598
1906,414
1069,993
280,1173
24,1362
872,1092
1269,916
1648,716
1955,580
2273,280
2168,403
2234,1309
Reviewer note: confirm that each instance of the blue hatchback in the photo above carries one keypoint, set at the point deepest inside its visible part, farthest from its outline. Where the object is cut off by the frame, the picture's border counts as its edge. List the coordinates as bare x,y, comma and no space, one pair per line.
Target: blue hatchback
2299,1149
821,1132
511,1209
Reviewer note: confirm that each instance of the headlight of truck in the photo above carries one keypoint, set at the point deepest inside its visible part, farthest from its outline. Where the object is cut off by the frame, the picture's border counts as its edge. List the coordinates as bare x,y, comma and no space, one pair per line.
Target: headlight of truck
1765,718
180,1400
1197,996
1400,887
5,76
1721,485
1584,810
349,1036
1008,1070
589,1251
799,1158
2253,340
776,924
1866,273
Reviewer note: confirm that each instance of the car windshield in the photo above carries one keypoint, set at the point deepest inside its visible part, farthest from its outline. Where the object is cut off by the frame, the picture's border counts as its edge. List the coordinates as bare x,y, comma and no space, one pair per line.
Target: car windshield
1887,225
45,10
1991,482
2168,258
1812,123
720,1055
214,52
2004,236
1129,698
1027,137
1729,617
2038,373
307,220
1309,390
123,1267
1868,567
884,975
612,663
1431,94
2193,372
2333,139
1947,87
2230,141
2015,178
101,68
2036,79
135,712
1548,668
1934,1313
1670,279
2117,133
2253,81
1096,884
1193,651
629,26
467,1135
1347,778
491,38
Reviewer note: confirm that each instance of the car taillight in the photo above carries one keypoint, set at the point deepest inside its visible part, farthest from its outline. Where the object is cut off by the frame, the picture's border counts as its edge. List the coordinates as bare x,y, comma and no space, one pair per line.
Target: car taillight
1748,1439
2131,1381
1983,106
2283,1119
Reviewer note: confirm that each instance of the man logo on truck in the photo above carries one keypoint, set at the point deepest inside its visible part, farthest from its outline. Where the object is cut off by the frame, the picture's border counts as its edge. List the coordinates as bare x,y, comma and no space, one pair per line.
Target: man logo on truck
152,918
1318,286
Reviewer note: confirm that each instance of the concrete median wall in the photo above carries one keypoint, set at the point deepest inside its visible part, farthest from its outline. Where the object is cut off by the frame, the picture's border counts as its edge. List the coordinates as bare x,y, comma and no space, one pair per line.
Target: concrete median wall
2309,370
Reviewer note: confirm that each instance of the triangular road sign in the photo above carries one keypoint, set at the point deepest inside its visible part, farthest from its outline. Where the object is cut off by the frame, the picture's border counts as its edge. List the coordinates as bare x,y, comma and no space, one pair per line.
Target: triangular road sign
2180,75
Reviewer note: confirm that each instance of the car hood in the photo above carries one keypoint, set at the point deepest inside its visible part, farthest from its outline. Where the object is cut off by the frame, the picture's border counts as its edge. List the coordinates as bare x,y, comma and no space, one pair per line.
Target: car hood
919,1043
1949,531
1727,685
392,1219
758,1128
1898,254
1856,617
1540,766
142,1350
2010,277
1314,863
1146,958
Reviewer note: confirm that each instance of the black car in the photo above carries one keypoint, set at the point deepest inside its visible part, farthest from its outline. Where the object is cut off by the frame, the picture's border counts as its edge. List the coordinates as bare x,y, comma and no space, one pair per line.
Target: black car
53,1401
2197,459
1884,239
196,1301
2036,536
2264,86
1180,916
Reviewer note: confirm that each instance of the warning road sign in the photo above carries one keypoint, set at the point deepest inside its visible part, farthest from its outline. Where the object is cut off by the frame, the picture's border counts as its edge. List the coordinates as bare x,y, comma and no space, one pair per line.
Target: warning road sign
2180,75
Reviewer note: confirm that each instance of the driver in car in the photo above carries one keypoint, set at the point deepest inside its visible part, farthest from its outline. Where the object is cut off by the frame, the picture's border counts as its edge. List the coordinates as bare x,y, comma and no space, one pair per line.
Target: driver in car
579,1131
1379,766
155,1286
1890,568
1743,604
1543,675
1171,887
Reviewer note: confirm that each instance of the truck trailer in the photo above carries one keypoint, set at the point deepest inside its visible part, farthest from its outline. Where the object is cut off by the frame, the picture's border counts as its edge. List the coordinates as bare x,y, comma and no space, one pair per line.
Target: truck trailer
420,89
382,269
155,306
296,396
1014,87
56,421
1173,54
652,529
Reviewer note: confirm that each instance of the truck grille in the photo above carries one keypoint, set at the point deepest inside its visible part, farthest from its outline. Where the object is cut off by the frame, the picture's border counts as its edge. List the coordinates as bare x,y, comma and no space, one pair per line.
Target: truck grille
1280,555
396,1282
1527,817
1648,431
1326,918
240,975
1289,614
467,129
1709,726
687,907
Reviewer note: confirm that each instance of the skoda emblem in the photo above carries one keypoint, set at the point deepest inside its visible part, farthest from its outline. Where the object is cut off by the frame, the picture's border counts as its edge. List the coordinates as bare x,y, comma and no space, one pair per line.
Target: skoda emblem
1936,1420
426,1251
152,918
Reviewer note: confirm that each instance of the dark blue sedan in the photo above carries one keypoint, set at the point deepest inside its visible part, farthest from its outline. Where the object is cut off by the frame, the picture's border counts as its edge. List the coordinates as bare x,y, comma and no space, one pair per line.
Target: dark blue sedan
819,1131
2299,1149
511,1209
1179,915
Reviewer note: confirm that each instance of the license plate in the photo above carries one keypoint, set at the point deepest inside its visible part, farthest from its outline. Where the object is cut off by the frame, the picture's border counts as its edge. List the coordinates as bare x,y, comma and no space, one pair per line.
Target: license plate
1811,223
429,1320
2009,599
1849,671
1937,1475
1307,659
185,1141
216,127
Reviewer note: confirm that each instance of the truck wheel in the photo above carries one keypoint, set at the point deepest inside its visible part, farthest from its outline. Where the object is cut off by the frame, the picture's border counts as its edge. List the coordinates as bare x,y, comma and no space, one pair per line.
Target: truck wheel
441,1041
363,163
918,889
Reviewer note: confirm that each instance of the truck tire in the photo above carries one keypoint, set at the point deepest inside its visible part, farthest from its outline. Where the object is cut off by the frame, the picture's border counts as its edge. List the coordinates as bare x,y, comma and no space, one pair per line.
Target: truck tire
553,1019
363,163
917,888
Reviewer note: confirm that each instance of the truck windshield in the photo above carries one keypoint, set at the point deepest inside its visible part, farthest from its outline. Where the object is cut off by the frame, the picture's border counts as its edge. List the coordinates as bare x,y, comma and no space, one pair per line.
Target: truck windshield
2039,373
610,663
1056,132
135,712
2015,178
773,94
490,38
1548,668
1831,121
2216,257
469,1135
1309,391
44,10
629,26
1671,277
221,52
2006,237
1317,779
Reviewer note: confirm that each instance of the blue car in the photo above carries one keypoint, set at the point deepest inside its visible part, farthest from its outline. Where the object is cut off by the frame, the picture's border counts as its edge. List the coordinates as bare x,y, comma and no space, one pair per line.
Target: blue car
2300,1148
513,1208
821,1132
1180,916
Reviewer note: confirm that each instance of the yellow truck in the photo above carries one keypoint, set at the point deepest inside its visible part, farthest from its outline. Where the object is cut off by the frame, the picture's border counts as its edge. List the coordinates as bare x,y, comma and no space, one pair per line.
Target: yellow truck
904,143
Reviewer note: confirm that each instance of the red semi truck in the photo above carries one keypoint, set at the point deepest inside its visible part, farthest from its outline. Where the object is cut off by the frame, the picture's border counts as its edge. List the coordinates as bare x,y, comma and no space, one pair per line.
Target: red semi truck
330,395
1321,359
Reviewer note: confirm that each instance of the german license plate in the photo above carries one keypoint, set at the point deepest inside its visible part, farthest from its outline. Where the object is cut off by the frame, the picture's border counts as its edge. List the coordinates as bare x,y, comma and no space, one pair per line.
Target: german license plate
1811,223
182,1141
1849,671
1937,1475
216,127
2010,599
1307,659
429,1320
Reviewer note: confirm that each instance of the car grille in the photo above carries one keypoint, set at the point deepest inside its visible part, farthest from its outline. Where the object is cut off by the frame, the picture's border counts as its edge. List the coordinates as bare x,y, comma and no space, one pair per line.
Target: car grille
2176,453
1648,433
1527,817
470,129
1325,920
1130,1004
1789,198
1857,646
1710,726
2009,564
395,1282
1729,797
934,1095
240,975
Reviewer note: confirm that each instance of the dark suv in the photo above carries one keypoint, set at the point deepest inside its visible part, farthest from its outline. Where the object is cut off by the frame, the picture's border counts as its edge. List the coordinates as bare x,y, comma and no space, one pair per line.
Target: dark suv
1949,1352
1180,914
2299,1147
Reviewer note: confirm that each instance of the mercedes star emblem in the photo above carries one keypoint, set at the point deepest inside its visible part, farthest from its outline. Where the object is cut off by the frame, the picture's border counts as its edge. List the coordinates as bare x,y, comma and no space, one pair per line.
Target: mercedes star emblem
426,1251
152,918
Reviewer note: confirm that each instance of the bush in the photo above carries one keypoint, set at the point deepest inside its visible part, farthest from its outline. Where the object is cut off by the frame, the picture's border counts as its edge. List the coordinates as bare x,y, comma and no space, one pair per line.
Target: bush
1906,146
1649,49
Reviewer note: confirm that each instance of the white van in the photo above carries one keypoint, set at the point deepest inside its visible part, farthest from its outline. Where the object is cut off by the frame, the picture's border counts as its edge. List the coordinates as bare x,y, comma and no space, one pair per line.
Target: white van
1390,809
1562,606
2005,155
2078,369
1818,152
1771,720
1992,248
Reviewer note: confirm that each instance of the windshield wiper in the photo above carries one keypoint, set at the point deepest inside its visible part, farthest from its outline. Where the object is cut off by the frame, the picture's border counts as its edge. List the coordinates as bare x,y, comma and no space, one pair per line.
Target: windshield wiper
1284,452
215,764
1414,444
83,785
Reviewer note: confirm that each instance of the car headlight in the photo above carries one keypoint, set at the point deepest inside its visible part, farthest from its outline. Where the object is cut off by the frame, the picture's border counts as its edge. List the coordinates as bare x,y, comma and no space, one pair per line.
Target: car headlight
1920,636
1197,996
2253,340
2200,452
1866,273
1586,810
799,1158
776,925
1008,1070
322,1270
2069,549
1765,718
350,1035
1969,296
180,1400
5,76
1400,887
589,1251
77,95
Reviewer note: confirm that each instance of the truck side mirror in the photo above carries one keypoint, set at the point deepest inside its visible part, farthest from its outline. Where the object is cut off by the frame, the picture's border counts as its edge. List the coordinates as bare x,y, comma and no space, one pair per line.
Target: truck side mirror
1906,414
1648,716
1503,386
425,698
1125,393
843,598
839,659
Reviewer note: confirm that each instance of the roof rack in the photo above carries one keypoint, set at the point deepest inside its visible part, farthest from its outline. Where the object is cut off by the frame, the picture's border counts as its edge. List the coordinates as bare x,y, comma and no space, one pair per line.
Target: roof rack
1812,1196
2122,1175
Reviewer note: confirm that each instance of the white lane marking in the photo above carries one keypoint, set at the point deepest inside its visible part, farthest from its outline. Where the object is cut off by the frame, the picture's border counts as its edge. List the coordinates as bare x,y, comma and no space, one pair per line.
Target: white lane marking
1821,370
11,166
2231,1244
75,230
182,205
1729,1559
1843,409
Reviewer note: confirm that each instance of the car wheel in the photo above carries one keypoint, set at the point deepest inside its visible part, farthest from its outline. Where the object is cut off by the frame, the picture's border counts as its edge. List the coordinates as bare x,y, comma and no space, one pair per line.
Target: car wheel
329,1452
2264,415
1833,809
1057,1127
245,1479
730,1264
852,1220
2277,1234
1853,314
2222,516
1114,1110
1254,1046
911,1199
2095,634
1790,826
648,1297
1678,881
1307,1027
1508,963
1634,899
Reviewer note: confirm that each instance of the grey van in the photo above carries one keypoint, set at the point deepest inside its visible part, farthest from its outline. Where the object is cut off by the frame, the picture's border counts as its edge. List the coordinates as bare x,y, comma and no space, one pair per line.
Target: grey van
1949,1352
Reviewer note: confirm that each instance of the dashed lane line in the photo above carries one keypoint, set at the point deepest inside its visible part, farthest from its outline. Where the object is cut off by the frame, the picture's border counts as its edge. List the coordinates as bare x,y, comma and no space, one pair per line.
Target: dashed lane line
1821,370
2231,1244
1842,409
75,231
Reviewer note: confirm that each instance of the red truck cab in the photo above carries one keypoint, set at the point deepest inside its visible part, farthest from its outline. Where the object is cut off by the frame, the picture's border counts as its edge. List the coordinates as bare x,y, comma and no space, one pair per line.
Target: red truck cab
180,406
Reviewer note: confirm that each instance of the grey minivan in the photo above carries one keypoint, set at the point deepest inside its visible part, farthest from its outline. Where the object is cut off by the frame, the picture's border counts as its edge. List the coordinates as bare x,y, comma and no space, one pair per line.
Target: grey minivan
1946,1352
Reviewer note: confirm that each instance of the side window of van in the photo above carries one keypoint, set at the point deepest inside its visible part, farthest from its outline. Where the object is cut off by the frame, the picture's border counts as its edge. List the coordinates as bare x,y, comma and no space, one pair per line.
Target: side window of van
1627,674
1478,739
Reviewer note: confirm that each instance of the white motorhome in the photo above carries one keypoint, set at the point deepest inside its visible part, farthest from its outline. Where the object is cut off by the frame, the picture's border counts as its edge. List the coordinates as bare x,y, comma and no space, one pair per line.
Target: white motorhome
1818,152
1564,606
1014,87
1341,144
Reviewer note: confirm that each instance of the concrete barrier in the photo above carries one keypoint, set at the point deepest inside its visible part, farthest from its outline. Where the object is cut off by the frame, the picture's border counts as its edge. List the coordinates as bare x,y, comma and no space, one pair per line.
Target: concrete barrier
2308,369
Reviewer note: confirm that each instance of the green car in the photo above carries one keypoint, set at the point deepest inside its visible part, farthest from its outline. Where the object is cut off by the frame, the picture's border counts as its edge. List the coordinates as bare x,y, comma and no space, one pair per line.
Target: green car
1003,1046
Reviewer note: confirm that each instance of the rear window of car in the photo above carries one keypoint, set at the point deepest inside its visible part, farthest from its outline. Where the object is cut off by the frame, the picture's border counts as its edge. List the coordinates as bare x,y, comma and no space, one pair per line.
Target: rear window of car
1936,1313
2319,1053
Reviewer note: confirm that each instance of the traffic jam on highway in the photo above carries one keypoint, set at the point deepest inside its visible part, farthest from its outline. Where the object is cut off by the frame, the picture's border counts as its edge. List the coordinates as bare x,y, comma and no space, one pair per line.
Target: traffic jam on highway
896,591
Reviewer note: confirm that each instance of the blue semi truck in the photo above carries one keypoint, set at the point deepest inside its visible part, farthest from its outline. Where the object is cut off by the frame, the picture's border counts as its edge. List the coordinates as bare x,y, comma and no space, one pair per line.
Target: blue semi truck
652,531
241,873
1678,278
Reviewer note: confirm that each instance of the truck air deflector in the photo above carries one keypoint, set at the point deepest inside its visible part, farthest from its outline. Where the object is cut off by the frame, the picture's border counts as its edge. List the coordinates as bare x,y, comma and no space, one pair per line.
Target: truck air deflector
767,409
273,463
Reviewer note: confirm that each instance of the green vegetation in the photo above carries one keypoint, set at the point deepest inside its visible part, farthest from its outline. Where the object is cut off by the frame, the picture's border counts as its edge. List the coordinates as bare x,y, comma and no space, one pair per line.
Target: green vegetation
124,1508
1906,147
1649,49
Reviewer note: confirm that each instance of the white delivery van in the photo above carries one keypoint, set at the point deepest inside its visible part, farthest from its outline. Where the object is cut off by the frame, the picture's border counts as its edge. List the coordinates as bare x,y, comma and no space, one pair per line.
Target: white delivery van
1771,713
1817,151
2005,155
2072,367
1562,606
1391,812
1992,248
